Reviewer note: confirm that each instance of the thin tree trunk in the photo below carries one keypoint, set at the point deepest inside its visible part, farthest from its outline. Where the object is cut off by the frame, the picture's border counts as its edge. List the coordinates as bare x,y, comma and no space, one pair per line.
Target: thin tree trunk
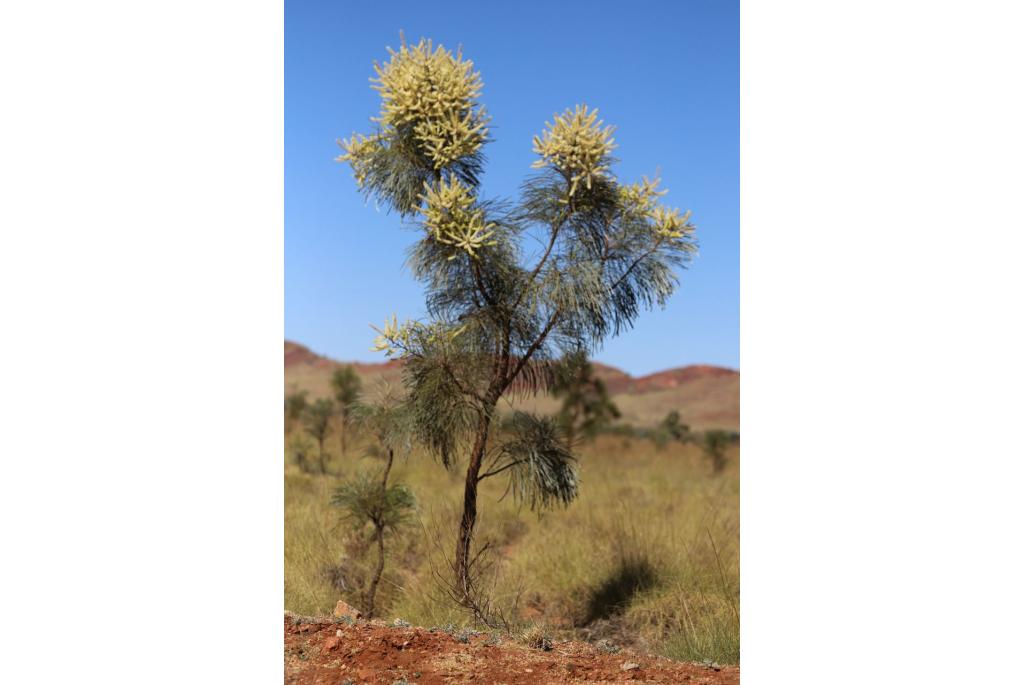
343,430
387,469
323,464
372,592
462,558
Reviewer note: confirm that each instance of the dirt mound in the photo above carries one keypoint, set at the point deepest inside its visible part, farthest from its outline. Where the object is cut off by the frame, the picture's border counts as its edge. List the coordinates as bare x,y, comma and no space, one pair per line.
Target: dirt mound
327,652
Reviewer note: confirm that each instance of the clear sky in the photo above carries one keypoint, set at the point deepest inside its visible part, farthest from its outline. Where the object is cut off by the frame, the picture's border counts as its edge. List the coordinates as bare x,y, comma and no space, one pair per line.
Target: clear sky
666,74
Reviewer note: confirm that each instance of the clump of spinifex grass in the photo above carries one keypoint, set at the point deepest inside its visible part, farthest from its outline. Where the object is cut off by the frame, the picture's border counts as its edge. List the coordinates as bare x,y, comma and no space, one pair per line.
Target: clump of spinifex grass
648,556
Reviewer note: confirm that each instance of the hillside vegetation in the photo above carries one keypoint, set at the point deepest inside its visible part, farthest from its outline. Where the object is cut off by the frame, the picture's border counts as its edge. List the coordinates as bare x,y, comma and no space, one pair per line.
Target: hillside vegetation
706,396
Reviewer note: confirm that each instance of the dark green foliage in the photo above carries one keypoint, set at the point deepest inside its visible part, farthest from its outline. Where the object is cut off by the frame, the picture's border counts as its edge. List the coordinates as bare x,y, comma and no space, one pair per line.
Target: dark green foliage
345,384
542,471
674,428
371,499
398,169
364,500
714,443
388,419
670,428
294,405
316,419
440,412
302,452
586,407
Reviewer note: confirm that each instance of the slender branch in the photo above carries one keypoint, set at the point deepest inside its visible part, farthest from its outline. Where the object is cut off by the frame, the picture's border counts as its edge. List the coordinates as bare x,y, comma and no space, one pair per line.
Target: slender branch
632,266
469,392
478,278
503,468
533,347
540,264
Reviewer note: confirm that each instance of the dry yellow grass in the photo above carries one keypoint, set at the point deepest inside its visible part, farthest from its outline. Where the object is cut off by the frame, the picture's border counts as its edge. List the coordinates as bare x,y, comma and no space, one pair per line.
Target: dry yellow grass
648,554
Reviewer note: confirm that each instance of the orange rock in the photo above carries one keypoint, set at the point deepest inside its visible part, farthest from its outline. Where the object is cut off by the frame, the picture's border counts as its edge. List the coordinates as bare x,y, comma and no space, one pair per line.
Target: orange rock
342,609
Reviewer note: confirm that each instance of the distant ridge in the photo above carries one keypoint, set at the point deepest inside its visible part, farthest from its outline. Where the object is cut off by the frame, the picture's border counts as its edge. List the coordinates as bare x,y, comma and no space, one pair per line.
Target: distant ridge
704,395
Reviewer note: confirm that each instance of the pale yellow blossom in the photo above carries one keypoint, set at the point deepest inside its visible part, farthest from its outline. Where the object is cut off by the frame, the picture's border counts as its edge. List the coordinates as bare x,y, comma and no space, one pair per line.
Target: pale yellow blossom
435,92
669,225
451,217
576,145
358,151
400,339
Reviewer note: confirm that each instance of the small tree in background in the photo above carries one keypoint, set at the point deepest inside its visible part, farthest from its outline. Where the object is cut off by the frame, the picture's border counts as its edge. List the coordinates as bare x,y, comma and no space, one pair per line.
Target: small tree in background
674,427
714,443
302,451
499,317
346,386
317,421
294,405
586,406
372,500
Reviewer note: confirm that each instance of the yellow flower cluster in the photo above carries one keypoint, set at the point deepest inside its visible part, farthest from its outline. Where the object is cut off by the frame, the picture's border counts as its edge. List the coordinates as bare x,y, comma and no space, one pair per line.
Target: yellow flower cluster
435,91
641,200
358,151
575,145
668,224
391,336
399,338
452,219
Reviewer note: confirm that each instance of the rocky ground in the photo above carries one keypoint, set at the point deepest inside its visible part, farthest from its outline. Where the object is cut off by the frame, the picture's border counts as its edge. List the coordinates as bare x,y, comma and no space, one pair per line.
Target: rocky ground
342,651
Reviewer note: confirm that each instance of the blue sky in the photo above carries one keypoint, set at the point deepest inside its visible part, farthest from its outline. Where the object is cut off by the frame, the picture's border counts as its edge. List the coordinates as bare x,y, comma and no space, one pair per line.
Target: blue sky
666,74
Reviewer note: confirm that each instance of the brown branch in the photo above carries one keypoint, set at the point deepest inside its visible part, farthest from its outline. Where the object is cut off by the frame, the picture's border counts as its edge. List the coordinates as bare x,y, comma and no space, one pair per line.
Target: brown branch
533,348
632,266
544,258
465,391
478,279
503,468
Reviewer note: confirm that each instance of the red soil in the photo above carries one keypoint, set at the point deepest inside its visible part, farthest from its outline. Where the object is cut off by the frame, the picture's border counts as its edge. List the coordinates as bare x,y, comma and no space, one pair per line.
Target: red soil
328,653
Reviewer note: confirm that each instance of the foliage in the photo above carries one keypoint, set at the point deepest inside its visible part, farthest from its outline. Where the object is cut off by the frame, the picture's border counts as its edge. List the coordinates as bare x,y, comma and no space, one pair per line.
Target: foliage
714,444
316,420
673,426
542,470
294,405
346,385
387,419
302,452
586,406
364,501
373,500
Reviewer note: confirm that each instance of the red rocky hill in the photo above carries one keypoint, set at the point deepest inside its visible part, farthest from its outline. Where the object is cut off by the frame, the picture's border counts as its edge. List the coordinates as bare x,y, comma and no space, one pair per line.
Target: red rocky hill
705,396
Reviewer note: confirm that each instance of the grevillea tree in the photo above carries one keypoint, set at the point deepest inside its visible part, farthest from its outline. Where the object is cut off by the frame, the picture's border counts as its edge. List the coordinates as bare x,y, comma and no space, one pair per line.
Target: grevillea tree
511,286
